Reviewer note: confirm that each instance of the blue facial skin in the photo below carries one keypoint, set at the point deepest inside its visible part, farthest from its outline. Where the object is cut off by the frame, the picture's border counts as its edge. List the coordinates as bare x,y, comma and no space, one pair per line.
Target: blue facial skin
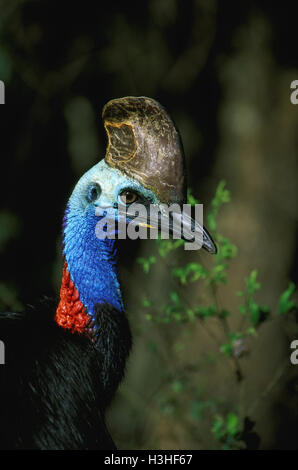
92,263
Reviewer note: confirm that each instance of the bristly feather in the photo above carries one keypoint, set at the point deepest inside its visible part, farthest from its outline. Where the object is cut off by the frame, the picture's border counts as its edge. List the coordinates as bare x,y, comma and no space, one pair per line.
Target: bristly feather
55,384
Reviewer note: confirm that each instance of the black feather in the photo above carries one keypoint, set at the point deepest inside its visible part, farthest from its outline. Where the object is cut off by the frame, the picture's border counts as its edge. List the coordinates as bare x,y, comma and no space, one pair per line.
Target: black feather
55,385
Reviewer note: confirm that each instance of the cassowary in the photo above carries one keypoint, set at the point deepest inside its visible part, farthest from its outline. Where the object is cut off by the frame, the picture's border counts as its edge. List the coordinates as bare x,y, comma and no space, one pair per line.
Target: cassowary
64,363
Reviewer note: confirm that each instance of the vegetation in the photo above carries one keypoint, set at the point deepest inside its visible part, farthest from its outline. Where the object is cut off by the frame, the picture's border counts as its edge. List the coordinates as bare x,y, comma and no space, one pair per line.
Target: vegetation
233,428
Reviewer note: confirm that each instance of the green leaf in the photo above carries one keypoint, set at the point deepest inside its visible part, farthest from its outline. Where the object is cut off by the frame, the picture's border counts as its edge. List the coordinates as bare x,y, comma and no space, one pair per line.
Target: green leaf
146,263
242,309
285,302
254,311
190,314
232,424
226,349
203,312
234,335
218,427
211,221
181,273
226,249
251,331
191,199
174,297
146,303
222,196
257,313
166,246
190,273
177,386
175,310
198,271
252,284
217,275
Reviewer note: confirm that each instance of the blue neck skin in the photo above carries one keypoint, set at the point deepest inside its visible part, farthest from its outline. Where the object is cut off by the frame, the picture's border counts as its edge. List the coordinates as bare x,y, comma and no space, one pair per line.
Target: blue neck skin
92,263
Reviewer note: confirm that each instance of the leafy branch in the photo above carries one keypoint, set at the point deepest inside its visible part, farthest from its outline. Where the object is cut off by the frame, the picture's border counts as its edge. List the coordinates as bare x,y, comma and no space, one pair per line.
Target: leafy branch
179,309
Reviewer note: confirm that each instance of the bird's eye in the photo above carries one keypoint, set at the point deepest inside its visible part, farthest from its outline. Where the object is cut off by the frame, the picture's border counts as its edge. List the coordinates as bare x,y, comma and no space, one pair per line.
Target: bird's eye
128,197
93,192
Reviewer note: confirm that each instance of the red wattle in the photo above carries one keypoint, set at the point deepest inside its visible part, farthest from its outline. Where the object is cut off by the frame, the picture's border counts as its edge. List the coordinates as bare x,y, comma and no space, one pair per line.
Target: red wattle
71,313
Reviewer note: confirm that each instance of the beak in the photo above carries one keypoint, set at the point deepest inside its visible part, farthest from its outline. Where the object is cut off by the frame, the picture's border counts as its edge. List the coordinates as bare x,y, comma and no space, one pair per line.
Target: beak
208,242
177,225
193,232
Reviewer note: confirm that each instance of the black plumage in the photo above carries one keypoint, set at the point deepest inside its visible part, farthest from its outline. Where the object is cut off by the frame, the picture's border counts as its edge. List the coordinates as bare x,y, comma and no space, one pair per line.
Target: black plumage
55,385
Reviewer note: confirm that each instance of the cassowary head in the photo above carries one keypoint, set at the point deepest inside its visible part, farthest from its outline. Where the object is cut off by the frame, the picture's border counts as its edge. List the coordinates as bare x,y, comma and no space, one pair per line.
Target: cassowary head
144,164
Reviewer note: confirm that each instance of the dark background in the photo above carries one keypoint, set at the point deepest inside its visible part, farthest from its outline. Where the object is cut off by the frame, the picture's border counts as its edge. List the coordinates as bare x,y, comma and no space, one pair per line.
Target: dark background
223,70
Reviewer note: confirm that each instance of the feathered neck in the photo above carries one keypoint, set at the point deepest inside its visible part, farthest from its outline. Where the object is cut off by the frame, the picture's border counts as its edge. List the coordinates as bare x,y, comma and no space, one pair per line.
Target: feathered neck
90,275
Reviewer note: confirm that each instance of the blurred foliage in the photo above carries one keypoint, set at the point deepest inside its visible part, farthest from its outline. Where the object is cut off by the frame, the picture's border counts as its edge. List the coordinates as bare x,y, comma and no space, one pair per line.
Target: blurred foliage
228,429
